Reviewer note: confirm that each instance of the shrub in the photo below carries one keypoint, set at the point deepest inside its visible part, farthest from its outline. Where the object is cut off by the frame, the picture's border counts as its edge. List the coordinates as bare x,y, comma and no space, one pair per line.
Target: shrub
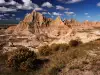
48,50
74,43
59,47
19,57
54,71
45,50
24,66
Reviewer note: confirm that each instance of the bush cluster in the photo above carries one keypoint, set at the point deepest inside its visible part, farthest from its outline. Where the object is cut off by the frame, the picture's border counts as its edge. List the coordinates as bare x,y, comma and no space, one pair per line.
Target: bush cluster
21,59
45,50
48,50
74,43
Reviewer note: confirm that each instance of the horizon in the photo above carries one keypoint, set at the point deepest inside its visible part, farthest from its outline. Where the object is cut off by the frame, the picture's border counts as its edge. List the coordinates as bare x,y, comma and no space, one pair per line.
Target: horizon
80,10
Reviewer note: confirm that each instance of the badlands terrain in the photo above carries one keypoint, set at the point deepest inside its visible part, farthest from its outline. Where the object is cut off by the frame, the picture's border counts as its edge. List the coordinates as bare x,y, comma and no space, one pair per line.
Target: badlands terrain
62,47
36,30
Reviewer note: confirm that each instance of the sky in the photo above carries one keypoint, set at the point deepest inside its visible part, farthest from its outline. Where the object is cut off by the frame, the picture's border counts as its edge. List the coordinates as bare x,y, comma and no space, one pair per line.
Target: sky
81,10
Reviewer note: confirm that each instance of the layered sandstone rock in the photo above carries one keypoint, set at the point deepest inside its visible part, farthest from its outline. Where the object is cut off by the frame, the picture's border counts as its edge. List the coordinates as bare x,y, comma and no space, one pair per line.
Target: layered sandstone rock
57,22
35,23
10,29
34,17
58,28
40,30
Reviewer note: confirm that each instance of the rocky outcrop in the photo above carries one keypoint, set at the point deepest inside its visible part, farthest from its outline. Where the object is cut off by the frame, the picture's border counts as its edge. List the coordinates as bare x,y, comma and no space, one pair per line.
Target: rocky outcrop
35,23
10,29
41,30
57,22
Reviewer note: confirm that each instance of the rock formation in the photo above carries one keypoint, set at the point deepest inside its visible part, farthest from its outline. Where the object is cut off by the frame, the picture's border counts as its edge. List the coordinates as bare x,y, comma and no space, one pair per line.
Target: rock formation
35,23
39,29
10,29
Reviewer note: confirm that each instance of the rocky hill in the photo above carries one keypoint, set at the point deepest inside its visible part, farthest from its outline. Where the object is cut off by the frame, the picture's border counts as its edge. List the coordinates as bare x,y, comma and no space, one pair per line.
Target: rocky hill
36,23
41,30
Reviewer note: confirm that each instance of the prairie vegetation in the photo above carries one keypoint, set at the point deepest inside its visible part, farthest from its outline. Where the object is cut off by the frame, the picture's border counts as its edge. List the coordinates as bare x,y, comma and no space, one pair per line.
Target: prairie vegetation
53,59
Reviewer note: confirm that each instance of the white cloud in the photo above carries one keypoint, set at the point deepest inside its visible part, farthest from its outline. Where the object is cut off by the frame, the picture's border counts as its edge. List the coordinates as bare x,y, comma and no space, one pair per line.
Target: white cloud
69,13
1,15
52,16
4,9
18,19
60,7
67,9
88,16
2,1
49,13
6,14
38,9
70,1
11,2
27,5
13,15
56,14
86,13
47,4
74,1
98,4
44,13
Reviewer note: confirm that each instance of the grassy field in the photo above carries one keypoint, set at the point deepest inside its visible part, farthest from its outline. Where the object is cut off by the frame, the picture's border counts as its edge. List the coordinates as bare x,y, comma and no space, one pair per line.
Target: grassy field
61,59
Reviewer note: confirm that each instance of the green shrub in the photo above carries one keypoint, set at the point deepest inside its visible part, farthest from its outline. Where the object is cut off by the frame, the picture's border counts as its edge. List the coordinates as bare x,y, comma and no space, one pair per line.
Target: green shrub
77,53
74,43
59,47
17,57
45,50
48,50
54,71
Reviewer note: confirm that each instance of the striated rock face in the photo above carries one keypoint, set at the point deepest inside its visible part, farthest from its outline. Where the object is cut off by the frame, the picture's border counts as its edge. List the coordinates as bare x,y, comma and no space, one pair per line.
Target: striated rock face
35,23
57,22
39,30
10,29
33,17
91,24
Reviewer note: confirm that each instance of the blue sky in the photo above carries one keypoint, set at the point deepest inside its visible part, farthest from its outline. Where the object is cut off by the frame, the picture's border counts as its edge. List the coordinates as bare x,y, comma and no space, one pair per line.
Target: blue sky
79,9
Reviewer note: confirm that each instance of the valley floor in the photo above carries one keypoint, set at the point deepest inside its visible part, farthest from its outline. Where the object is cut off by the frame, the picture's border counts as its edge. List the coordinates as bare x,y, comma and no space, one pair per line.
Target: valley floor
80,60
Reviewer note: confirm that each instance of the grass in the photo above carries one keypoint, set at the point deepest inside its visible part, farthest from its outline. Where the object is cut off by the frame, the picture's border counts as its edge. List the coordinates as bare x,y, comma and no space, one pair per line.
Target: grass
21,59
45,50
57,57
48,50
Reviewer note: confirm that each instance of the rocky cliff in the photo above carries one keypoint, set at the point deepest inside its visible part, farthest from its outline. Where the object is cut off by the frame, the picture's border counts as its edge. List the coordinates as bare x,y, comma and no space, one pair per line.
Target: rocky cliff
35,23
40,29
